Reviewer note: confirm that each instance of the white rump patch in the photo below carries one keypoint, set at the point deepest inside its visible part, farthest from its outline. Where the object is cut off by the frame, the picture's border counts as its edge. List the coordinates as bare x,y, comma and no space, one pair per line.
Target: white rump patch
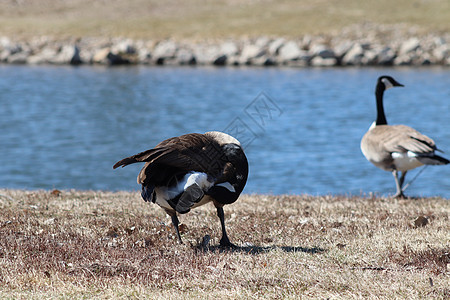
405,161
201,179
228,186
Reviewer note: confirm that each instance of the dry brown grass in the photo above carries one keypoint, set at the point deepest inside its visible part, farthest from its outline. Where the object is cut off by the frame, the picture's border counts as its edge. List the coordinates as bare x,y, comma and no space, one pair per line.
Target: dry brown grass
113,245
212,19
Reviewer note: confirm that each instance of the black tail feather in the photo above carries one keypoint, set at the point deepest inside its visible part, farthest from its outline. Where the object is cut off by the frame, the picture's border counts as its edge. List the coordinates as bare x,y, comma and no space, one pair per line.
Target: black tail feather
140,157
433,160
148,194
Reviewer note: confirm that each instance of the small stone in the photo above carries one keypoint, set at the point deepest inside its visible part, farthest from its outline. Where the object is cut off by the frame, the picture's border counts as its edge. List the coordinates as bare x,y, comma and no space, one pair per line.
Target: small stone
340,245
421,221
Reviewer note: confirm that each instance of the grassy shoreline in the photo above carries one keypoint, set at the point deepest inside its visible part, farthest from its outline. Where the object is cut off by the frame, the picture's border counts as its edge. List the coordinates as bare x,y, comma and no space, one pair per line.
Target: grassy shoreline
88,244
197,19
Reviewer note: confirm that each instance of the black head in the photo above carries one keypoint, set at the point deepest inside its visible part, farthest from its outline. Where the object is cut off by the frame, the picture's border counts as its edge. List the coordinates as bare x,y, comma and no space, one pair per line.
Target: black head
386,82
235,173
231,150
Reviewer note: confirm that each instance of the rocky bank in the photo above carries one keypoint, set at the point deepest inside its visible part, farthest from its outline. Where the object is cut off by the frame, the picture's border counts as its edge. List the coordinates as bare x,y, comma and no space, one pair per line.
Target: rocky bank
359,45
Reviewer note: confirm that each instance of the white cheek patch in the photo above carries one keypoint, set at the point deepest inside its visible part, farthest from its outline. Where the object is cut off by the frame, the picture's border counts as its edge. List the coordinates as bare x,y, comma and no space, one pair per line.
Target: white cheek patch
388,84
228,186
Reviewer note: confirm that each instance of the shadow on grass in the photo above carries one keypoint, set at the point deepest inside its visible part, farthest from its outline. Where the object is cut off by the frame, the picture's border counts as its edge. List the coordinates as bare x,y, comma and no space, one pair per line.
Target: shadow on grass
259,249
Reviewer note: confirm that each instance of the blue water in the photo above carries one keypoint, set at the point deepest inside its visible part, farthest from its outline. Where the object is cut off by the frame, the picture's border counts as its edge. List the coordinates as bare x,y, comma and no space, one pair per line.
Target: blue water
64,127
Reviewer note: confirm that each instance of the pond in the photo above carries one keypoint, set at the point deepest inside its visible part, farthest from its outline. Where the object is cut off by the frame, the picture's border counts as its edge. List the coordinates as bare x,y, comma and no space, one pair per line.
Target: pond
64,127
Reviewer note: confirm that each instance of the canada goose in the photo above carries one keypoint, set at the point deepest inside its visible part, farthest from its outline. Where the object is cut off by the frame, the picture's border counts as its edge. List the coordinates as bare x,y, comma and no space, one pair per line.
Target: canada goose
396,148
185,172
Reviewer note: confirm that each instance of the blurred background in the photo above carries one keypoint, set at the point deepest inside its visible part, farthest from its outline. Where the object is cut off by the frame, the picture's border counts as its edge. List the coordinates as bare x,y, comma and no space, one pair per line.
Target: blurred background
64,126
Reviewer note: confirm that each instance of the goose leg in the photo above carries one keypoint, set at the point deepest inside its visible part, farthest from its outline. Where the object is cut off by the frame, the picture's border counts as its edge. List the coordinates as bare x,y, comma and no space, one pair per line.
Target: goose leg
398,184
225,241
175,223
402,179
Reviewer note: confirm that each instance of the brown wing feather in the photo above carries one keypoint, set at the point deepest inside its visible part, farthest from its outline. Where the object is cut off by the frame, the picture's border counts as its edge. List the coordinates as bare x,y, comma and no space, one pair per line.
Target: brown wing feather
401,138
379,142
189,152
168,148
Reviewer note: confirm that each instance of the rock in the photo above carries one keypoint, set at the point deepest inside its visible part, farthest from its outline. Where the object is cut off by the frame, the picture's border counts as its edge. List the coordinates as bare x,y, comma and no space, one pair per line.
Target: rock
275,45
386,56
116,59
298,63
5,42
101,56
14,53
354,55
370,57
18,58
306,42
322,51
144,55
220,61
185,57
290,51
105,56
4,54
342,48
68,55
408,46
124,47
165,49
233,60
229,48
262,42
421,221
270,61
319,61
44,57
365,44
206,54
424,59
442,52
403,60
251,51
263,60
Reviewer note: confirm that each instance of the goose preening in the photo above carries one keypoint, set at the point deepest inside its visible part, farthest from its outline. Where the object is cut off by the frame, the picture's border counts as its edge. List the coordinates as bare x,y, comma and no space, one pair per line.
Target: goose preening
396,148
185,172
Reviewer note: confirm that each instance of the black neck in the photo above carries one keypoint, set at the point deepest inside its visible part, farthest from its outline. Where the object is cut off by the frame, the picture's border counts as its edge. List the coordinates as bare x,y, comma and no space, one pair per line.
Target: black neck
381,118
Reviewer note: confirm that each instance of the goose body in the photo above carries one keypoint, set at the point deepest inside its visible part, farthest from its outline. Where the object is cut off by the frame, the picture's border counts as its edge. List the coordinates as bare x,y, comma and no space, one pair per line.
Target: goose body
397,148
182,173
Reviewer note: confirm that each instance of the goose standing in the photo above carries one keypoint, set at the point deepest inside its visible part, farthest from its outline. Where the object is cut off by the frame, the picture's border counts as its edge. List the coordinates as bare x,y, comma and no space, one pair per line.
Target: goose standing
396,148
185,172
